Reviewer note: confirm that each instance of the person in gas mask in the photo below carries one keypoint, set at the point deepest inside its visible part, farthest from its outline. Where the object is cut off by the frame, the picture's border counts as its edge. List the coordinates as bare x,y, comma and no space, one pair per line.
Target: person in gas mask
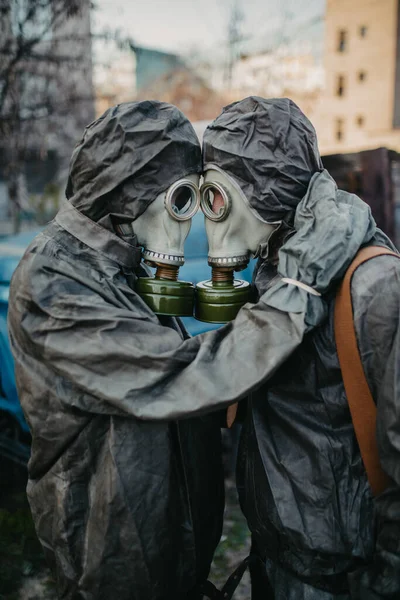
301,480
127,502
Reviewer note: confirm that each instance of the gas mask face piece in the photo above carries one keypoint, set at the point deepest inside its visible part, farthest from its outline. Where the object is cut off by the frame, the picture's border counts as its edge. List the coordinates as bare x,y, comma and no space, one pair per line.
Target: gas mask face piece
162,230
235,233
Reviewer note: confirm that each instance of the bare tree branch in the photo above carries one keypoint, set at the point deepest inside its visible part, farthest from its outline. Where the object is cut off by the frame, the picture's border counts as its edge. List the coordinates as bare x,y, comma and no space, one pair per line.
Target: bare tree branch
46,94
45,83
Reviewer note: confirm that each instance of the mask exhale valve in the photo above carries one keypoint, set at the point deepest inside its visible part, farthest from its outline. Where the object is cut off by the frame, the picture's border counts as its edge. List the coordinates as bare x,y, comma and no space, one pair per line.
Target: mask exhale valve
164,293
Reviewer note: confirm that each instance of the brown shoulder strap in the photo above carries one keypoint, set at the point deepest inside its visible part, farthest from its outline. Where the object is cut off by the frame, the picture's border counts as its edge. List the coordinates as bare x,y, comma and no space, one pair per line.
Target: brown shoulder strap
361,404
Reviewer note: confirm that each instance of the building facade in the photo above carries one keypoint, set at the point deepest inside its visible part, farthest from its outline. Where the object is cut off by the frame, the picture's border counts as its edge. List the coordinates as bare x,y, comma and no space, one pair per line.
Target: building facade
151,64
288,70
114,75
124,74
360,106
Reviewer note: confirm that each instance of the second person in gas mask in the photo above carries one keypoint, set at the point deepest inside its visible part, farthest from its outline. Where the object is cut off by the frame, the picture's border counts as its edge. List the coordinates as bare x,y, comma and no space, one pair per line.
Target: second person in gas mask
302,483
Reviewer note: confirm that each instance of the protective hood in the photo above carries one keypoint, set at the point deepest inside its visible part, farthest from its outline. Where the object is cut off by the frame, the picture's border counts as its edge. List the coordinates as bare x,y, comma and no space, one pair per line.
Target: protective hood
270,148
331,226
128,156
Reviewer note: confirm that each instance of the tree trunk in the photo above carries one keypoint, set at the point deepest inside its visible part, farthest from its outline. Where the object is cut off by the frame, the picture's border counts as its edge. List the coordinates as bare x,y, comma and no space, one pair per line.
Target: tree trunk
14,199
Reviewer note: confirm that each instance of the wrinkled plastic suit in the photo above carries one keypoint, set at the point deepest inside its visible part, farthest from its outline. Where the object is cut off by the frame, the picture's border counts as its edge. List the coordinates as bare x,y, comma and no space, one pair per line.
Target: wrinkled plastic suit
302,483
128,502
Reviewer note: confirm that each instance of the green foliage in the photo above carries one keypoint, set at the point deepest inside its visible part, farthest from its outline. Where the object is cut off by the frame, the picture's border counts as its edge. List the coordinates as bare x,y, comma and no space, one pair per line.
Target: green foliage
21,555
20,551
234,545
45,205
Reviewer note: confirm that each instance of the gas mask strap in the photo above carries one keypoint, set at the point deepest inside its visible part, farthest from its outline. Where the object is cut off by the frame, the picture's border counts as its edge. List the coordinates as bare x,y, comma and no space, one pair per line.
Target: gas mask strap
124,229
126,233
98,238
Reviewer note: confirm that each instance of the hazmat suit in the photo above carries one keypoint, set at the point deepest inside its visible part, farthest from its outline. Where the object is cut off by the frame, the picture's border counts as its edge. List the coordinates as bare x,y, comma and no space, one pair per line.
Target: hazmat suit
127,502
302,484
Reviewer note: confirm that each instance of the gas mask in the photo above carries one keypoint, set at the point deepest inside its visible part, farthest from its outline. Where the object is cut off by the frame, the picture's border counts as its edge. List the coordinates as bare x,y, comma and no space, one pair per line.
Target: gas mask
235,233
162,230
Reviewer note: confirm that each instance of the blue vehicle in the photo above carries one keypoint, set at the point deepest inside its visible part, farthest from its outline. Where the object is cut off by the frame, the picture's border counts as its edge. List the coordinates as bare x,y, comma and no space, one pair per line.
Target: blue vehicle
14,432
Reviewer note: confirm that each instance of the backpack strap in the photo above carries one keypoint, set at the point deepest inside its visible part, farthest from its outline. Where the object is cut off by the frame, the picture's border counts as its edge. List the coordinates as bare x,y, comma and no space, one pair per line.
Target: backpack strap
361,404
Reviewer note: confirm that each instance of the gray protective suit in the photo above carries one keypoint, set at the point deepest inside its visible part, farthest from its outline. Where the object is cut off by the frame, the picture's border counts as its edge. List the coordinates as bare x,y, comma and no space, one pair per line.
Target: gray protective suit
302,484
127,502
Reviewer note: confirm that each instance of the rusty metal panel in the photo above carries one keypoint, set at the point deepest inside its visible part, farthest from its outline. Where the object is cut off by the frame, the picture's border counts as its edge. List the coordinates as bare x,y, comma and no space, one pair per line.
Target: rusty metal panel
396,112
369,174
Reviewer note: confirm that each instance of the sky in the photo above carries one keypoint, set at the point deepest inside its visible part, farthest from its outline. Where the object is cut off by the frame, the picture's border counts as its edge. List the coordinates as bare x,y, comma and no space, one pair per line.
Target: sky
185,26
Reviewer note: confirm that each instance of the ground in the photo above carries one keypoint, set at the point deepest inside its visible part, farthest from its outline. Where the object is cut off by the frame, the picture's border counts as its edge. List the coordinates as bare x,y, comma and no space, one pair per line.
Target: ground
233,547
24,575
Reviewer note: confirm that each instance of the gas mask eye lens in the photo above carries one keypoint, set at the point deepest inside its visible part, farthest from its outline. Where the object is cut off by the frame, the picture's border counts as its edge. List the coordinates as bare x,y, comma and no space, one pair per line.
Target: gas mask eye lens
182,200
214,202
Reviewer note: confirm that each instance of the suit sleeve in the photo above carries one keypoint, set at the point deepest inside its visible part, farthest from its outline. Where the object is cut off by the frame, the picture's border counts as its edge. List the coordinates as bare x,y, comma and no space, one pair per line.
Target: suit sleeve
114,357
376,305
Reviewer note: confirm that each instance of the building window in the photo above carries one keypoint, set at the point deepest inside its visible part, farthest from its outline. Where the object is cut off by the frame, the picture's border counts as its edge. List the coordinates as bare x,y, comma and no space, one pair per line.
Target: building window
362,76
363,31
342,40
360,120
340,85
339,129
